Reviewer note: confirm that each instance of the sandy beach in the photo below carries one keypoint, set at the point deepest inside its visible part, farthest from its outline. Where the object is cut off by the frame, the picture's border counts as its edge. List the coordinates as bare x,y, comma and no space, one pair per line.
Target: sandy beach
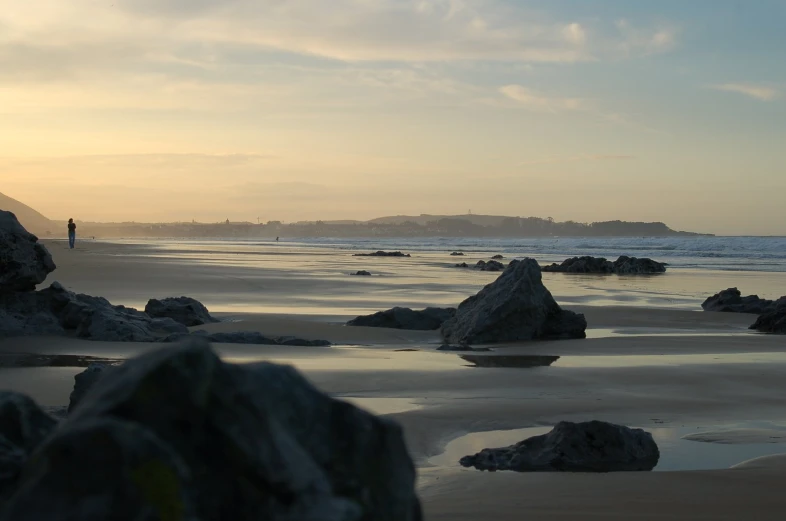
652,359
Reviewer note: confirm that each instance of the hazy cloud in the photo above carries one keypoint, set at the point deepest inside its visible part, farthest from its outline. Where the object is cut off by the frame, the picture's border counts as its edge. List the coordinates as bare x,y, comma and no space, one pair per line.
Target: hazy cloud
578,158
533,100
759,92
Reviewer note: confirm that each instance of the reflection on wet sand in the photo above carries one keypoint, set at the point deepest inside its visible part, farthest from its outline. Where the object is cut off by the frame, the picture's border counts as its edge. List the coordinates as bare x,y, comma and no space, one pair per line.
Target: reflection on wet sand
40,360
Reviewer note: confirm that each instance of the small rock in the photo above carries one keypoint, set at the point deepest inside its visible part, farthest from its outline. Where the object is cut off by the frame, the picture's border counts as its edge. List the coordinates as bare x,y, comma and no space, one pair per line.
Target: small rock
462,265
457,254
405,318
184,310
461,348
498,257
383,254
574,447
362,273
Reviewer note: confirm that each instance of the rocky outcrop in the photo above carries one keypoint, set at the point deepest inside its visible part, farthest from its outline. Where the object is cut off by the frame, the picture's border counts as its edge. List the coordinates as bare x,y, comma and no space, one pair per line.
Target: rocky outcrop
574,447
23,426
491,265
462,265
55,310
178,434
383,254
773,322
362,273
84,381
622,266
184,310
248,337
405,318
517,306
731,301
24,263
498,257
457,254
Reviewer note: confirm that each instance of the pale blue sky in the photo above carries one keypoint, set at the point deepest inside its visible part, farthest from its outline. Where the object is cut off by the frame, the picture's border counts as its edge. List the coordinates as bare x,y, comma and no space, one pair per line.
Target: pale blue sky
298,109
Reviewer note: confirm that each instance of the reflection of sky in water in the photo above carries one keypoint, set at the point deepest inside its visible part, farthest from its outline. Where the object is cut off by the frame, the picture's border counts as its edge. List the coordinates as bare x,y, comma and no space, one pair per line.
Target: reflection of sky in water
675,452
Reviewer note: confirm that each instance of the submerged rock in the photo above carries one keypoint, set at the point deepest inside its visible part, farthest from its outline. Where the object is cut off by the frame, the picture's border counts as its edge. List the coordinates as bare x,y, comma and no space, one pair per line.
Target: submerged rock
383,254
24,263
184,310
405,318
574,447
517,306
731,301
178,434
622,266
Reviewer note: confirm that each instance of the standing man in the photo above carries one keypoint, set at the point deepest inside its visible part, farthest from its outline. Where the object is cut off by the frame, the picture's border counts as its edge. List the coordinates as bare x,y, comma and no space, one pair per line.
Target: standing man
71,233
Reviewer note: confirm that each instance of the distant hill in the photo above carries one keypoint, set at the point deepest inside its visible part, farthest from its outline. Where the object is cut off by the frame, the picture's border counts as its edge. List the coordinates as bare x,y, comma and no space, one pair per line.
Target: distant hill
32,220
424,218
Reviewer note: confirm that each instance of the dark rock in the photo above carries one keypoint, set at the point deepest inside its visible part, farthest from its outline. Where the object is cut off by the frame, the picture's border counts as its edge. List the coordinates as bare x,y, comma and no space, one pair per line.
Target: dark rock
574,447
84,381
55,310
516,361
24,263
23,426
622,266
383,254
773,322
731,301
101,469
462,265
498,257
184,310
461,348
517,306
362,273
491,265
247,337
200,439
457,254
405,318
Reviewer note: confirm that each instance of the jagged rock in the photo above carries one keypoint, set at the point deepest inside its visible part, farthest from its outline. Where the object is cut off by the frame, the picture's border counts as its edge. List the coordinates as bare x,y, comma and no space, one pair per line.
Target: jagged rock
457,254
491,265
405,318
23,426
362,273
574,447
201,439
102,469
84,381
731,301
184,310
247,337
383,254
773,322
517,306
498,257
55,310
622,266
24,263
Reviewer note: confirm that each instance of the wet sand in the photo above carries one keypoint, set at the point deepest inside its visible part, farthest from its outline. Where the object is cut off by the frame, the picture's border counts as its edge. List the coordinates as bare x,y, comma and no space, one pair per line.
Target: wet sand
656,368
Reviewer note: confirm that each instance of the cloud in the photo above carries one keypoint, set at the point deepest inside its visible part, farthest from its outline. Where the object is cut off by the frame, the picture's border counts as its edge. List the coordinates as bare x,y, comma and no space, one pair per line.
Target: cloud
638,40
759,92
533,100
579,158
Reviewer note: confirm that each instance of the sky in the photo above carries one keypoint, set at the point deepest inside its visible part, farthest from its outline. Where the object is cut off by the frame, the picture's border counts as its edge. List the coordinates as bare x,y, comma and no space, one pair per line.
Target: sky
172,110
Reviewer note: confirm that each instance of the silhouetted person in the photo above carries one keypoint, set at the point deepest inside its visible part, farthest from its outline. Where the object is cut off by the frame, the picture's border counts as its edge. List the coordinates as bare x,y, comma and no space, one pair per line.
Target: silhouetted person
71,233
276,239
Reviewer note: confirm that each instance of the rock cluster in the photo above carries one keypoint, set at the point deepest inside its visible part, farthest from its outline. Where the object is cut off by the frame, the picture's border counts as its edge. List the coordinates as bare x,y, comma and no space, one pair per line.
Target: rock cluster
517,306
406,318
731,301
622,266
574,447
183,310
178,434
383,254
491,265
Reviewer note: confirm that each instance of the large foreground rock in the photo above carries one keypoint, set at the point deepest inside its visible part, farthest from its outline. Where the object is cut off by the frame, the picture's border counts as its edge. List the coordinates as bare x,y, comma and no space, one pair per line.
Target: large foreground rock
517,306
24,263
731,301
55,310
84,381
184,310
405,318
622,266
23,426
574,447
178,434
